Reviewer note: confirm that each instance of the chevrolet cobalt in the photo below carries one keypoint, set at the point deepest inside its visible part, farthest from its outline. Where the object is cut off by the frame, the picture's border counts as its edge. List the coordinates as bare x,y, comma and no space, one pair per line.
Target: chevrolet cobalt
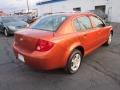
61,40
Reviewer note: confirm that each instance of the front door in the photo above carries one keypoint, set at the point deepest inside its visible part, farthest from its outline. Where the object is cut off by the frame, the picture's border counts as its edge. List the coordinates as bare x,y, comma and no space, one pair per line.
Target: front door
101,27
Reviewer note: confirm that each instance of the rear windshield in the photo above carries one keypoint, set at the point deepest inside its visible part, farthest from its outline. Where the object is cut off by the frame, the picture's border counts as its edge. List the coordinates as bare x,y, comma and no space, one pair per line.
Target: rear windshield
49,23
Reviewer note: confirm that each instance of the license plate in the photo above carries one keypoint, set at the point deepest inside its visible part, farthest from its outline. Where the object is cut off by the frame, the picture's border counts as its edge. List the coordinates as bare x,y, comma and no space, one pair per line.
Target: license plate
21,57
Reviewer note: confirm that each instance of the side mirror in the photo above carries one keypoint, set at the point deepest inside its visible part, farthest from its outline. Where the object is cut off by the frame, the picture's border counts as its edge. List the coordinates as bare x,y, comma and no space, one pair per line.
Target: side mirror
101,25
108,23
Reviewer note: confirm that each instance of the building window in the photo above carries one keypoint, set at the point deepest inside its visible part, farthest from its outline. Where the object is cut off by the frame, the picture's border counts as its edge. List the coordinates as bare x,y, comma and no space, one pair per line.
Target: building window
77,9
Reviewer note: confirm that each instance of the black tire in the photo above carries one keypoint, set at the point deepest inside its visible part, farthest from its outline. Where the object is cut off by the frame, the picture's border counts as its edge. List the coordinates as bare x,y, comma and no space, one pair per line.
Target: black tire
109,40
69,66
6,33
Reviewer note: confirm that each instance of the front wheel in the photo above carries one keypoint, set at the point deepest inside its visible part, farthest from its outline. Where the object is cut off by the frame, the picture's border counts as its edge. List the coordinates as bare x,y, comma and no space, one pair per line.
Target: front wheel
109,40
6,33
74,62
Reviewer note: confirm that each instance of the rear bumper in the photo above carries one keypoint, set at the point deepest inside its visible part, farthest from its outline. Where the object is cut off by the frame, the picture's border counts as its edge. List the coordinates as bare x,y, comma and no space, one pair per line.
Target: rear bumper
49,60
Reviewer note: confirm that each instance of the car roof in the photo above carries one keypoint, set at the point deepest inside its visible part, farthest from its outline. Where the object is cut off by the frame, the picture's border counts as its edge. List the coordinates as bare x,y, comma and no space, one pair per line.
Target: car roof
72,14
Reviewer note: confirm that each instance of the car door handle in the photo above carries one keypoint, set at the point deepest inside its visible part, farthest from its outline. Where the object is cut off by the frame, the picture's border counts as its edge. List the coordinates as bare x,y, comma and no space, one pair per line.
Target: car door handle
85,35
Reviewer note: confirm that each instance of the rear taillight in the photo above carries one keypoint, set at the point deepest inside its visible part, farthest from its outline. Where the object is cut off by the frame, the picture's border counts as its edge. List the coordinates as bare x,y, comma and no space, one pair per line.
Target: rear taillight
44,45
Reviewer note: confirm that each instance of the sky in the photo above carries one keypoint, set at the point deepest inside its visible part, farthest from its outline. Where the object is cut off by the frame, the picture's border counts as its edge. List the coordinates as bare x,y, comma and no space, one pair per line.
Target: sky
11,5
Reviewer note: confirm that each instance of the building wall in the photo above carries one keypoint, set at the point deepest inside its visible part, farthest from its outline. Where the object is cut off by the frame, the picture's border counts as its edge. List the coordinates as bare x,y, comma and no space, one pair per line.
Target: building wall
67,6
115,11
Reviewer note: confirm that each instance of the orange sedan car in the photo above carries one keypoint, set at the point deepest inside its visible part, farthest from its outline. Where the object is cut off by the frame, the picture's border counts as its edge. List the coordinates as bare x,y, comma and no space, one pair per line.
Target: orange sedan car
61,40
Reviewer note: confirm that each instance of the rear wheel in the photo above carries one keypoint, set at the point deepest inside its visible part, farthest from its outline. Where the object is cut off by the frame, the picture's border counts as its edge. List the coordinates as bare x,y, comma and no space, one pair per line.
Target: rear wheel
109,40
6,33
74,62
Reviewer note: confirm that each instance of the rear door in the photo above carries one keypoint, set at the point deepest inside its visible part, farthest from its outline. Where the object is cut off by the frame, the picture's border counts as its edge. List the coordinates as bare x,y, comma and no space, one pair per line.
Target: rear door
103,30
87,36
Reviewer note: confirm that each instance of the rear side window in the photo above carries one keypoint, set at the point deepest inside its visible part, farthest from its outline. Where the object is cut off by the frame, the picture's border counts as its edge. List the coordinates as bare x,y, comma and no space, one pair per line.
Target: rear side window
97,21
82,23
49,23
77,25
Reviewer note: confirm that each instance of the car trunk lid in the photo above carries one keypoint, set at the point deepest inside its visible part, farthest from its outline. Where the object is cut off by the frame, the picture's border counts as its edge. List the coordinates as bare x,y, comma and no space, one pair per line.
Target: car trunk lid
27,40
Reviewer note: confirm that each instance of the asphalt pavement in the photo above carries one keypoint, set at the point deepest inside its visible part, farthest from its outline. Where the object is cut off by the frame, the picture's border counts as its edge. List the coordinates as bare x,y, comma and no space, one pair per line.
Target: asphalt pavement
99,71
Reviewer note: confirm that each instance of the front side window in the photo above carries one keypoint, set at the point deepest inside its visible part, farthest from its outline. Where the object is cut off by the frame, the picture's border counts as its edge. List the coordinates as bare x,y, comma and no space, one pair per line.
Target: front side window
98,23
82,23
48,23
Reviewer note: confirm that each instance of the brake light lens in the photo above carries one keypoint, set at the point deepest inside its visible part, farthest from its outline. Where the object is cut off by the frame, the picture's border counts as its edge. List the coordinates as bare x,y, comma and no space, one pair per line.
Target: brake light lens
44,45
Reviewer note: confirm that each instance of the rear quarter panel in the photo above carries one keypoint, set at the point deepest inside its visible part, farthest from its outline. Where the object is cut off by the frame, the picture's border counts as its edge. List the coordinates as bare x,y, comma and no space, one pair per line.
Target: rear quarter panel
67,43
